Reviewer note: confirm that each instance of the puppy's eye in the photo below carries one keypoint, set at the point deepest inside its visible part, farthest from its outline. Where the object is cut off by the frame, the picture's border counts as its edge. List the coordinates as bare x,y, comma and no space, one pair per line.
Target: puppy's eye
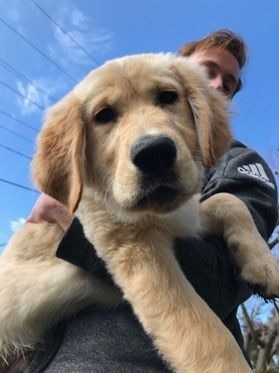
167,97
106,115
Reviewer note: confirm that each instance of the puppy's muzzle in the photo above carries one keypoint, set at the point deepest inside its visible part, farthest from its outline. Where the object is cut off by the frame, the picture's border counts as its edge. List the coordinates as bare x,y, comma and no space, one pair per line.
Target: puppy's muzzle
153,155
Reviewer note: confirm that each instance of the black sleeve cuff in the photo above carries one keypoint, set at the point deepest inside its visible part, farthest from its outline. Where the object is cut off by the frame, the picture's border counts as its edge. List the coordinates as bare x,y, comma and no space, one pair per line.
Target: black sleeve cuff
76,249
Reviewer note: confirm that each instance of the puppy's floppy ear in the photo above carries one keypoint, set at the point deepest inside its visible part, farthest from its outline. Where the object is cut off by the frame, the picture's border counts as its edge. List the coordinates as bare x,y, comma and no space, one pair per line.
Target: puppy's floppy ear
209,110
58,165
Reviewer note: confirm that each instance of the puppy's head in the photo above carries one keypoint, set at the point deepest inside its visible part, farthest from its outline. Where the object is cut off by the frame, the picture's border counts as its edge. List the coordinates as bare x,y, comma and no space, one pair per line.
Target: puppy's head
136,133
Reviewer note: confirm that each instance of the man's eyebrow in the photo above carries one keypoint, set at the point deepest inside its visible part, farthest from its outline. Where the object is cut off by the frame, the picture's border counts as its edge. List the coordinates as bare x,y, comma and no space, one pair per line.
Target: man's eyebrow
228,77
209,63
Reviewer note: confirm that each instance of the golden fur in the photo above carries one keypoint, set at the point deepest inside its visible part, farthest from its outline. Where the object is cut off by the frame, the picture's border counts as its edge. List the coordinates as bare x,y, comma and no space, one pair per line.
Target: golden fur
84,160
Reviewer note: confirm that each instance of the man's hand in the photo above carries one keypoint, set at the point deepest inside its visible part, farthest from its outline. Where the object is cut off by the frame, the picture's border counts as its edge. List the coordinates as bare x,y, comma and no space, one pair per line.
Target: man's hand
48,209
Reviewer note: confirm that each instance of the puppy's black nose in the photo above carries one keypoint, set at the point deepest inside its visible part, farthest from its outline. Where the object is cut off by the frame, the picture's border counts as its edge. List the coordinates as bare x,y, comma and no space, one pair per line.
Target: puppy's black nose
153,155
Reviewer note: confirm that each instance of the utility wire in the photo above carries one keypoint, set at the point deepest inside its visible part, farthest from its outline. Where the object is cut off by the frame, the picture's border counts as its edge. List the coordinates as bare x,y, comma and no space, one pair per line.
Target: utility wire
3,244
19,185
38,50
16,134
20,94
15,151
20,75
18,120
65,32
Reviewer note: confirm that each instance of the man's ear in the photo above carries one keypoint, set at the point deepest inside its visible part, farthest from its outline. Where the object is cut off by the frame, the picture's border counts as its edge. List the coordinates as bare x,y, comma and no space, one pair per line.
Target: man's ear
209,110
58,166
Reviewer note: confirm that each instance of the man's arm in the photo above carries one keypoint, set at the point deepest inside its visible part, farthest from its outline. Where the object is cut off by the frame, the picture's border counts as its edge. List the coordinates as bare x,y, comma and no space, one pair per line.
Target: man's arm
206,262
48,209
244,174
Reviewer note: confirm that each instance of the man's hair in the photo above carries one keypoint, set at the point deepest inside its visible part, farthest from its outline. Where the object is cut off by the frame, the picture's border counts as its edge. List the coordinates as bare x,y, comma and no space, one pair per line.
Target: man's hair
223,39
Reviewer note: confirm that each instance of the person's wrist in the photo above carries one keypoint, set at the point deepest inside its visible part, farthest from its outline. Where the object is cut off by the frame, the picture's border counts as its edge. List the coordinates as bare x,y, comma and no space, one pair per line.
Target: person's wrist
64,218
50,210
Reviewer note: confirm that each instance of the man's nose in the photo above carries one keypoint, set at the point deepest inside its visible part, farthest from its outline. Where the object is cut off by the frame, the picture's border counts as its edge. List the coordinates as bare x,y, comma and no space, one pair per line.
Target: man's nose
217,83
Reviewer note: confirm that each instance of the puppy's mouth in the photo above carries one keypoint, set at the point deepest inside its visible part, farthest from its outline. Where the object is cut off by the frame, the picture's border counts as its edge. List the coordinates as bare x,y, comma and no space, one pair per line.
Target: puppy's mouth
160,195
159,198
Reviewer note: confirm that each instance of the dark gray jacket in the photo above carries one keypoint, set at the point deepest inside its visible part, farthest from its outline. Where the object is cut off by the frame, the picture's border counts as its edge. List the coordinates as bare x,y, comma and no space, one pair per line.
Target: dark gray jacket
113,340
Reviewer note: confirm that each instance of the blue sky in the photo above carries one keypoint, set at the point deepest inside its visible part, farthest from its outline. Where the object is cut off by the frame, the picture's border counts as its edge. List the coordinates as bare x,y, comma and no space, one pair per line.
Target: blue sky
107,29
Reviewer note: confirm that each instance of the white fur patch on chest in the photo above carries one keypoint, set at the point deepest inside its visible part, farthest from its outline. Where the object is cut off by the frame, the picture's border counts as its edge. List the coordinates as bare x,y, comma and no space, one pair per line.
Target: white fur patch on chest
185,221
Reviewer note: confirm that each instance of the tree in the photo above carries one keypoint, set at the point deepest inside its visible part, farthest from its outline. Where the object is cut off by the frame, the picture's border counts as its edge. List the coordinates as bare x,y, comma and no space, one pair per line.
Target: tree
261,323
261,337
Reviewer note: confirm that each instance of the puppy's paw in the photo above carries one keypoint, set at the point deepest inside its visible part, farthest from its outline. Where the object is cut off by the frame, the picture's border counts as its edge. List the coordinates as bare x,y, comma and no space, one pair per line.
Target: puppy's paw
262,274
258,267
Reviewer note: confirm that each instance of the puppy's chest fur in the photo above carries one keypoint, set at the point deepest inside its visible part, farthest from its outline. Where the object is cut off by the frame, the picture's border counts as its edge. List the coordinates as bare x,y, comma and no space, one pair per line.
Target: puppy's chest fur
103,227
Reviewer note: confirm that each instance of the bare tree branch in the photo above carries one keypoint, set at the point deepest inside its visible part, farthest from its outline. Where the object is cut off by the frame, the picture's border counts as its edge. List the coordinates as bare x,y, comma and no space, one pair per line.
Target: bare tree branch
250,325
275,306
270,333
273,243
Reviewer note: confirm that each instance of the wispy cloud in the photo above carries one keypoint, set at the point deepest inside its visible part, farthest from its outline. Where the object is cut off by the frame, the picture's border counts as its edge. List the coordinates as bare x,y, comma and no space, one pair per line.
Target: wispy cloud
31,94
78,18
16,224
40,91
14,15
97,41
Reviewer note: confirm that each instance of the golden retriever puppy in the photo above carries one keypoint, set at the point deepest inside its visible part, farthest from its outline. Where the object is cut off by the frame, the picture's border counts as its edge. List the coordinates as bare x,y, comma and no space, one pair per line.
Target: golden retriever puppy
126,150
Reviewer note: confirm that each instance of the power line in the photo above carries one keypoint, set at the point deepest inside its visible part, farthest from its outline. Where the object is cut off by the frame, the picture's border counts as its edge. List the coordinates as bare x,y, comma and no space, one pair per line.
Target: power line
20,94
65,32
15,152
38,50
18,120
16,134
20,75
19,185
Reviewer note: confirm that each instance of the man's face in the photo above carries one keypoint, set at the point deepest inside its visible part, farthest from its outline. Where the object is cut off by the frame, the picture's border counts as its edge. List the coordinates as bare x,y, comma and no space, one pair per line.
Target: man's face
222,68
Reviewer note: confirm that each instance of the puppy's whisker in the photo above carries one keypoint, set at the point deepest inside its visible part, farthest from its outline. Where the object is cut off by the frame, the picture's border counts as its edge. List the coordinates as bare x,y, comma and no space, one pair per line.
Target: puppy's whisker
106,182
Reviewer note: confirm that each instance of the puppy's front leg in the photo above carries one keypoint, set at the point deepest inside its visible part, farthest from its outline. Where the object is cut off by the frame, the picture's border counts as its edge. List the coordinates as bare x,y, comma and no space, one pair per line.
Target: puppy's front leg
186,332
37,289
226,215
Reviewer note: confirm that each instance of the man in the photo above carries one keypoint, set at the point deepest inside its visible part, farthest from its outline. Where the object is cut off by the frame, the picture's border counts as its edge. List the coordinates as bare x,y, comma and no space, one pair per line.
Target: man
113,340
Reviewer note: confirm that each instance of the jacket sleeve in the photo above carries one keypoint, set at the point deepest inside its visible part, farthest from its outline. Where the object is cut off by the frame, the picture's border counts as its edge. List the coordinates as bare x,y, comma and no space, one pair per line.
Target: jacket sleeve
243,173
206,262
76,249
